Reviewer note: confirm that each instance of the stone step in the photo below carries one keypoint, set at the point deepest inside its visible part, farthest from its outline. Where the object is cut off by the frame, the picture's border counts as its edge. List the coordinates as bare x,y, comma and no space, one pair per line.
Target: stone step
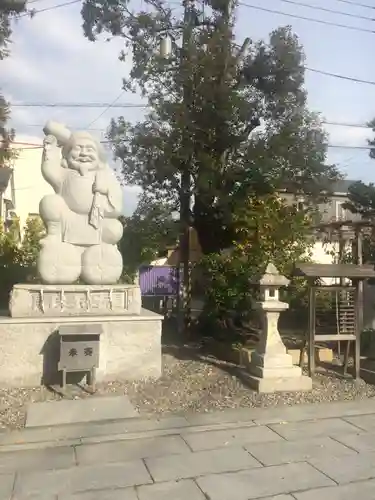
72,411
146,426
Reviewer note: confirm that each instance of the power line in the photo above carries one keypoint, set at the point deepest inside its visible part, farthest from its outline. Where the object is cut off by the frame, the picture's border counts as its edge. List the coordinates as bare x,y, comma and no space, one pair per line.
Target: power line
341,77
344,124
114,103
346,146
324,122
324,9
31,145
76,105
305,18
38,125
58,6
107,108
356,4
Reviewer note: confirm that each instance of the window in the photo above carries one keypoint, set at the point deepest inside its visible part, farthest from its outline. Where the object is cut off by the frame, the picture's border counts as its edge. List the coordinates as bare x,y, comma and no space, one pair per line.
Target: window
341,212
299,205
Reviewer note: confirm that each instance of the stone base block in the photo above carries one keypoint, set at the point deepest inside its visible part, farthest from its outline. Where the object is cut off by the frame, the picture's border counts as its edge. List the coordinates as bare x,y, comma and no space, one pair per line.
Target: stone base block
276,378
276,372
130,348
280,384
28,300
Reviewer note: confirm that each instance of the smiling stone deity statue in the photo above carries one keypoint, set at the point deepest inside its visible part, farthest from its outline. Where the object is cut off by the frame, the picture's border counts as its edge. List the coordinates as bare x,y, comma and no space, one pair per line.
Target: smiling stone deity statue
81,216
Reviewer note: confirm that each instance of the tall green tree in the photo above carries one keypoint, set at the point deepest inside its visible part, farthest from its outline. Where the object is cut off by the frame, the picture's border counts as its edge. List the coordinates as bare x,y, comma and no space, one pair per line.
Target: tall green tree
235,117
8,9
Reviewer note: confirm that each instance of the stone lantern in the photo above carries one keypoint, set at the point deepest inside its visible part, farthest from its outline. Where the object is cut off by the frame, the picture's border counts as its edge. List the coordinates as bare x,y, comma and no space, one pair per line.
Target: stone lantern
270,283
271,368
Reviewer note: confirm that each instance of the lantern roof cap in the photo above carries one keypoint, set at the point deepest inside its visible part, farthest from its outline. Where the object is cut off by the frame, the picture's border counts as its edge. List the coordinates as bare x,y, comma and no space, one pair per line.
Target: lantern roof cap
272,277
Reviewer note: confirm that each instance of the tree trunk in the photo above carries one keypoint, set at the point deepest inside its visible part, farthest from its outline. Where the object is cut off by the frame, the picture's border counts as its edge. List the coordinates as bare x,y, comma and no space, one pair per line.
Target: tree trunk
213,232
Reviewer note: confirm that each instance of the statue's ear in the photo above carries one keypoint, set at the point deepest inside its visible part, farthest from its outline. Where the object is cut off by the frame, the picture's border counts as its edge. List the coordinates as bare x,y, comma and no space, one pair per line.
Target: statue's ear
64,163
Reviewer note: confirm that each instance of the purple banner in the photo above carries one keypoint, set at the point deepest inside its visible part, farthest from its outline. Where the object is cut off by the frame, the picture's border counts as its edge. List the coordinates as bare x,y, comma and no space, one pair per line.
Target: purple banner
158,281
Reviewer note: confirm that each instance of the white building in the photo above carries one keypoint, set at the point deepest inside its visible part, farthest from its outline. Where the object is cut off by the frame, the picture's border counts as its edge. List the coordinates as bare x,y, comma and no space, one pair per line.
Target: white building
25,187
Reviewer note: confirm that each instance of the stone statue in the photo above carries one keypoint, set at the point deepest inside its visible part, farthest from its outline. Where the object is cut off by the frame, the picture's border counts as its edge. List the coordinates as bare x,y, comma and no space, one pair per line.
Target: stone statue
81,216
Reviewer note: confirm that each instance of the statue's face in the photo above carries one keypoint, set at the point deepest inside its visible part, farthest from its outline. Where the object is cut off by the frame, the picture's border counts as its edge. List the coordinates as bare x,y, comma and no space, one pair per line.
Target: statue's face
83,155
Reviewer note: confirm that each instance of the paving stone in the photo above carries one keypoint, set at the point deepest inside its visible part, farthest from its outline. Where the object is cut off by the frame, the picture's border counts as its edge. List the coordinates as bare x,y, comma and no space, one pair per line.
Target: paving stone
78,479
365,422
344,470
6,486
364,490
233,437
297,451
280,497
199,463
363,442
298,413
130,449
118,494
218,426
51,458
304,430
218,417
94,430
159,432
262,482
37,496
79,410
174,490
39,446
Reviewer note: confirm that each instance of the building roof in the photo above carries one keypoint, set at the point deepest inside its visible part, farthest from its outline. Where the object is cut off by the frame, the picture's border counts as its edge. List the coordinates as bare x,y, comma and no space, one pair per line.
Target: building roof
5,174
342,186
351,271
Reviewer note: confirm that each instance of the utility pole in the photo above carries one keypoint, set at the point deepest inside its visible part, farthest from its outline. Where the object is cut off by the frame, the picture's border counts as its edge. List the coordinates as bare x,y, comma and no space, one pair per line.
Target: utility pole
184,296
184,303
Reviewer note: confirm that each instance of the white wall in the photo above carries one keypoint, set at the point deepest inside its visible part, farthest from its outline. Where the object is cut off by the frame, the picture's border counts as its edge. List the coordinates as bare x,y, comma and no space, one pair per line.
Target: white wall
324,254
321,254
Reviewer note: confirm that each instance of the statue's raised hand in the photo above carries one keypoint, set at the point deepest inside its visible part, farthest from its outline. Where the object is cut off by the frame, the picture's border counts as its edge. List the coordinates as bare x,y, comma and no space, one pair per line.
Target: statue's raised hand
50,142
50,147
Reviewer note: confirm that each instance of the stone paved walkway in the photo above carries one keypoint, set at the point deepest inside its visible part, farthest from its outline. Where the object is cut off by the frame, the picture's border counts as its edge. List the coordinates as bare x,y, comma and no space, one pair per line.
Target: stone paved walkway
324,452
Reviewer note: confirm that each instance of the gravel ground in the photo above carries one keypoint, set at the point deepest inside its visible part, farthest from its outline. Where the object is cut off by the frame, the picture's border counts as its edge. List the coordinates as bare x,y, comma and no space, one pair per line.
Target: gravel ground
191,381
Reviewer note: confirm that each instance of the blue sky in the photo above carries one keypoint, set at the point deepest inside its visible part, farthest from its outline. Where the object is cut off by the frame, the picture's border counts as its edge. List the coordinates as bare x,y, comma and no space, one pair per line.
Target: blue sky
51,61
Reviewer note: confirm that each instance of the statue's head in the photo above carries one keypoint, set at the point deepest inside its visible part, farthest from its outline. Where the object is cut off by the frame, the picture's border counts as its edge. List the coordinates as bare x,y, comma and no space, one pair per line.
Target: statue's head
83,152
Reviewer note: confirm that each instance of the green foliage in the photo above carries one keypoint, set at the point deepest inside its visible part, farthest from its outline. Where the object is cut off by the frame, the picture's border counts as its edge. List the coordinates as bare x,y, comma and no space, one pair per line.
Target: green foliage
268,230
362,200
8,9
150,230
206,102
18,258
33,233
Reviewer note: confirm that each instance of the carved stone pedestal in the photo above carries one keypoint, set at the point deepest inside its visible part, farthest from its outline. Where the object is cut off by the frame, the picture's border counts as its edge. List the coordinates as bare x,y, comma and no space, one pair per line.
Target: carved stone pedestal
271,368
74,300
